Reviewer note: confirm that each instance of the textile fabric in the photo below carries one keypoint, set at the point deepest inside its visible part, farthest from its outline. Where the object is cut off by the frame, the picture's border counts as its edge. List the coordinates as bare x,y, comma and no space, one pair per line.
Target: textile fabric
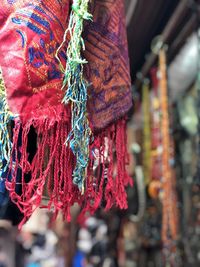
30,34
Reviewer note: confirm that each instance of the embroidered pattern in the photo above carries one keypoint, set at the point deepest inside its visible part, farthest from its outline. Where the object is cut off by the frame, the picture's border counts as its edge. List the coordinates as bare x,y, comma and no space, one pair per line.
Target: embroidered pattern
108,63
36,30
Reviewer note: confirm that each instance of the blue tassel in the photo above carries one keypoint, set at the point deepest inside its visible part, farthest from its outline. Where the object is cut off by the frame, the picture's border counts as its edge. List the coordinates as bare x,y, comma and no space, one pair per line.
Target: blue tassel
79,137
76,92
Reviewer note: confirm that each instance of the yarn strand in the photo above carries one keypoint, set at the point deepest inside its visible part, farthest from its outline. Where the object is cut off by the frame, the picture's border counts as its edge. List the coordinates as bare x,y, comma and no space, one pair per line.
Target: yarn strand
76,93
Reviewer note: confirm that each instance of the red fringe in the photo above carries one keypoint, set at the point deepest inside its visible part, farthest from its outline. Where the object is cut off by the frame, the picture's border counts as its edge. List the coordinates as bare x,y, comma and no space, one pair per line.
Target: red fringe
52,167
108,190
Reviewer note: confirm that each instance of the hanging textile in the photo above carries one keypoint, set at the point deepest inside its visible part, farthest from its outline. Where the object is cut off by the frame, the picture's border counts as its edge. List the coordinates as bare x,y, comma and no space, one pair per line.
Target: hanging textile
169,201
65,73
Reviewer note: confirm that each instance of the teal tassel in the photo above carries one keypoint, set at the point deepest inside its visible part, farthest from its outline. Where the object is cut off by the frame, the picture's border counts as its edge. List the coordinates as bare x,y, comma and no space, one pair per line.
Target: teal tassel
76,93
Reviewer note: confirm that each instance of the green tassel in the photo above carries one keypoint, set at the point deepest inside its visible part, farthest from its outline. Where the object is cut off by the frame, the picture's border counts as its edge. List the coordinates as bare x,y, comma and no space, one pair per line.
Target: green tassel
76,93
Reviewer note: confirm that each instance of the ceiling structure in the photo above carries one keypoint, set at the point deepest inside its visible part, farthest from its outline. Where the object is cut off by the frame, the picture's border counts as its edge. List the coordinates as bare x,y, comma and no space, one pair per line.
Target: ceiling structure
148,20
177,21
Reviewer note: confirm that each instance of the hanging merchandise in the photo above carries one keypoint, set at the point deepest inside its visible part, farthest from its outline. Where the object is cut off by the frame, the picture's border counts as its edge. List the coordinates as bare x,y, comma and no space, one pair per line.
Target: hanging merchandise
168,198
140,187
65,70
156,141
146,131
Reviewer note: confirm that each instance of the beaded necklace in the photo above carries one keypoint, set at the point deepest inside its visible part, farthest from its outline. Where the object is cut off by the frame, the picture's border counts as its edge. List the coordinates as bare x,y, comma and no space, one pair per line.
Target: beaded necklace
170,217
146,132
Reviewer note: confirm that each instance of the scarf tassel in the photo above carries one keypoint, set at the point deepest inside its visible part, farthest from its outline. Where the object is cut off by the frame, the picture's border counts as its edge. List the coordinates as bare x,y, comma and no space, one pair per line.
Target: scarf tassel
47,174
105,187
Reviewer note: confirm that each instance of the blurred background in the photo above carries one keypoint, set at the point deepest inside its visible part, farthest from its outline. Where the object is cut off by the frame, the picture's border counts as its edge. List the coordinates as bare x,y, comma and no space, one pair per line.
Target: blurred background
161,227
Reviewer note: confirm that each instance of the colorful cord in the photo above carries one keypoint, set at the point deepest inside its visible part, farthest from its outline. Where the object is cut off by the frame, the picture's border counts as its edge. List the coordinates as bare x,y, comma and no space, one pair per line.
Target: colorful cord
76,93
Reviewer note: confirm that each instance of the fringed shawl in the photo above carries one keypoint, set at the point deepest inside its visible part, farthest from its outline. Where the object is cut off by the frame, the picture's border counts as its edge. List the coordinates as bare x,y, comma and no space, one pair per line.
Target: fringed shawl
73,88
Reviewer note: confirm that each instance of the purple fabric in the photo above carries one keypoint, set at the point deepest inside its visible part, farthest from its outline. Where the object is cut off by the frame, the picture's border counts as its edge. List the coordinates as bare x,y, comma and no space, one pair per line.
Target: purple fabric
108,68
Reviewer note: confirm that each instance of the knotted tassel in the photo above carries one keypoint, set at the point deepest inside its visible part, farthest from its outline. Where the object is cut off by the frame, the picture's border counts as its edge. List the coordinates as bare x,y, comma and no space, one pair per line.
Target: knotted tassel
76,93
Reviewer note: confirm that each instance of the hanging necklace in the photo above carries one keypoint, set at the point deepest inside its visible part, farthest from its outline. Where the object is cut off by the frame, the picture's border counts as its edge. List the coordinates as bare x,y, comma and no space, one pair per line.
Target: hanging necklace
169,202
156,144
146,132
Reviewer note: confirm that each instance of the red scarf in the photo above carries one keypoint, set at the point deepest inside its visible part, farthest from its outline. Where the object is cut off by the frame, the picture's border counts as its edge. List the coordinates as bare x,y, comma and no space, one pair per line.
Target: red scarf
30,34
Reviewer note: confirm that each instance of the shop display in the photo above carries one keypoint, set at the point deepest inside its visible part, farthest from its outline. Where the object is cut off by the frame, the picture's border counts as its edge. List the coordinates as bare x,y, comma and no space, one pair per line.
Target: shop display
86,178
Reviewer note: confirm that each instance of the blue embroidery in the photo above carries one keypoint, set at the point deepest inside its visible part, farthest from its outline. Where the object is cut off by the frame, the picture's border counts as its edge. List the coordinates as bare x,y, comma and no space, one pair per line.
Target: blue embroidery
31,54
38,8
30,25
11,2
42,53
51,50
16,20
51,36
42,43
38,64
63,55
22,36
53,74
36,18
35,28
37,59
